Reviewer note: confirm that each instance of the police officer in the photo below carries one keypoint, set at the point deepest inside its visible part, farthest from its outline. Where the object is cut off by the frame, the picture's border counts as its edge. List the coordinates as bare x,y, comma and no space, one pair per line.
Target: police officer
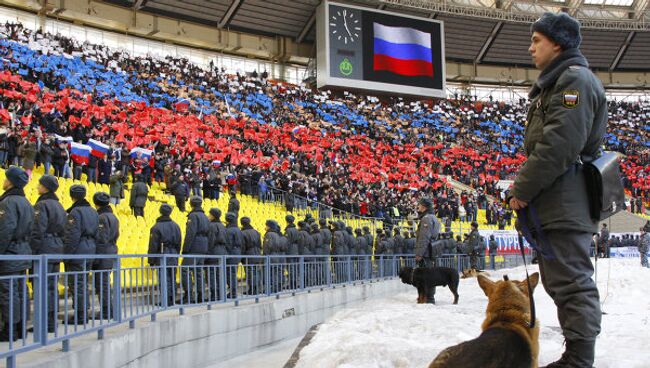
320,249
644,246
359,243
273,247
305,241
233,204
180,190
138,199
317,239
47,236
370,240
195,244
409,242
292,235
235,242
493,248
398,241
306,248
474,246
165,238
427,233
566,124
217,246
362,250
79,239
338,250
604,240
388,251
381,244
252,247
326,233
108,231
16,218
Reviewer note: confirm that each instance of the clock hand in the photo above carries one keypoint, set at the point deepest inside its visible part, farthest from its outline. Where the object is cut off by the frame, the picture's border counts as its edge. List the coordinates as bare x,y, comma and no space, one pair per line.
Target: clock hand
345,23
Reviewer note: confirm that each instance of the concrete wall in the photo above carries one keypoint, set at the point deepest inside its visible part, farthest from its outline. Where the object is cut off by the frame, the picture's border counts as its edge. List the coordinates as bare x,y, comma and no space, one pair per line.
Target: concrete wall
204,337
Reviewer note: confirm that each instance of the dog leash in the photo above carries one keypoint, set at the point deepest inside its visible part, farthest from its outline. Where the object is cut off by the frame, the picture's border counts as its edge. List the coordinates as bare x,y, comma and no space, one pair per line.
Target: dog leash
545,249
533,316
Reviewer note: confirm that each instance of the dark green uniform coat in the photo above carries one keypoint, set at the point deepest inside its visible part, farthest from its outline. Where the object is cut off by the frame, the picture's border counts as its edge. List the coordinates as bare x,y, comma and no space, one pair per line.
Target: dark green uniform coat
567,119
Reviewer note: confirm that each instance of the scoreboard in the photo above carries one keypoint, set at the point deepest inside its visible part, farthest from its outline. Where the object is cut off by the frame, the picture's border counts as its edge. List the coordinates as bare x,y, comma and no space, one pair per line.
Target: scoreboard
379,51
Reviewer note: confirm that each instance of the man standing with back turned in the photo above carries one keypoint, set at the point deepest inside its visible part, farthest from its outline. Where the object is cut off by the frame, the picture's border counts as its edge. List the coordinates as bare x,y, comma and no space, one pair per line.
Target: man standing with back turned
566,124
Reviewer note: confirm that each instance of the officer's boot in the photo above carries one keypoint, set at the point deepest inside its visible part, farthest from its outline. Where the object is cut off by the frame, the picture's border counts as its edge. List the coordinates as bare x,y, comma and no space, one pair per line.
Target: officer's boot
431,293
6,328
578,354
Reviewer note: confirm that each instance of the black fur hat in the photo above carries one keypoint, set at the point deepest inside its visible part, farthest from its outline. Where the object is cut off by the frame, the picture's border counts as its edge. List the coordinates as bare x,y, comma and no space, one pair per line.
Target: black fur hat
561,28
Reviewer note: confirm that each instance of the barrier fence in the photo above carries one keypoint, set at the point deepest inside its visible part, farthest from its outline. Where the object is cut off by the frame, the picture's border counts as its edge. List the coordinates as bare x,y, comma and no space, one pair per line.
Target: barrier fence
47,304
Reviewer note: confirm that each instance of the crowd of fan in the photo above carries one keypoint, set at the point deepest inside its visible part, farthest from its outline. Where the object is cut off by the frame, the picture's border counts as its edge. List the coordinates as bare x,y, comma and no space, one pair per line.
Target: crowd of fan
211,130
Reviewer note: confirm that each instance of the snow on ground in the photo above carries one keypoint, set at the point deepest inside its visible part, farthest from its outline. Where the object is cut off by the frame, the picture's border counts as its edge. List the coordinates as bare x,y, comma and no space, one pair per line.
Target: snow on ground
396,332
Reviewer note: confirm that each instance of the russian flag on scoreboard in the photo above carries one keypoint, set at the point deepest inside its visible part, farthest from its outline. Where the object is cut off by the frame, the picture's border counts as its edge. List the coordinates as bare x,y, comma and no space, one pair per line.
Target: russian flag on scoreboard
144,153
402,50
80,153
97,148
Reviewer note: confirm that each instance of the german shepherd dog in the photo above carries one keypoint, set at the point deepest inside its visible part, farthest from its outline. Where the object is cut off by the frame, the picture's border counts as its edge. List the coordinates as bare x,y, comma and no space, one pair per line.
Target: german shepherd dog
425,278
507,341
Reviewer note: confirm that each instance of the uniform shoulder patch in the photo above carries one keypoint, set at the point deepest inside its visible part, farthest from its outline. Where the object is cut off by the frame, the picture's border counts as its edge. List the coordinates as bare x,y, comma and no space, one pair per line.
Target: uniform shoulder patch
570,98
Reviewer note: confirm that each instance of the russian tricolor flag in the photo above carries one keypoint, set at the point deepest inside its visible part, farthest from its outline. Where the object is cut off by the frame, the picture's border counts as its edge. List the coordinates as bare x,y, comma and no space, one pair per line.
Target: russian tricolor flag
80,153
97,148
145,154
402,50
61,139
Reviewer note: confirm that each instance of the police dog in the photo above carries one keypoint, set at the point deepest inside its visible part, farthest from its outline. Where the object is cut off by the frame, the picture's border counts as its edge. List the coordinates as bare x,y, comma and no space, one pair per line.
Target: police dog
425,278
507,339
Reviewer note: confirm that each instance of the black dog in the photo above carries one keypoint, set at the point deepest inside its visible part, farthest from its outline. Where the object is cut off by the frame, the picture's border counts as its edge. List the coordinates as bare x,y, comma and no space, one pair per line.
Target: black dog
426,280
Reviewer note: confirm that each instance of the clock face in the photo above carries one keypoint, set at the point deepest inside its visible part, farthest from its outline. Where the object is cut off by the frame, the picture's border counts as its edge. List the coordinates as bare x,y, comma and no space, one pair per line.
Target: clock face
345,26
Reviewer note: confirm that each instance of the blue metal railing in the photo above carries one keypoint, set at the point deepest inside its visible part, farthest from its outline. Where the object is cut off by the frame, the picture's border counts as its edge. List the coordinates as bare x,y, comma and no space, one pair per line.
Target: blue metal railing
45,305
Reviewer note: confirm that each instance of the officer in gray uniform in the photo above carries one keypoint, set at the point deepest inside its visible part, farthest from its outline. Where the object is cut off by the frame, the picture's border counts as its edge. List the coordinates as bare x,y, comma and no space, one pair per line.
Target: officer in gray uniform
326,233
604,240
47,237
370,240
216,247
566,124
292,235
338,250
165,238
273,247
108,231
195,244
473,246
235,242
16,218
252,247
79,239
493,247
427,233
233,204
644,246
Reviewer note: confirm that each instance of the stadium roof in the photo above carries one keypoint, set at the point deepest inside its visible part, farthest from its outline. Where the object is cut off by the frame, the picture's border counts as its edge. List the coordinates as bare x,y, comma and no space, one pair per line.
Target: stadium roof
616,33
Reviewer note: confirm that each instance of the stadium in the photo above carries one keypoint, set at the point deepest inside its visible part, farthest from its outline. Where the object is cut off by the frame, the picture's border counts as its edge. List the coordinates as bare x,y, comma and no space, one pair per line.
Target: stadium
244,183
